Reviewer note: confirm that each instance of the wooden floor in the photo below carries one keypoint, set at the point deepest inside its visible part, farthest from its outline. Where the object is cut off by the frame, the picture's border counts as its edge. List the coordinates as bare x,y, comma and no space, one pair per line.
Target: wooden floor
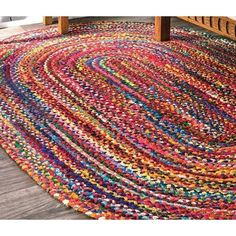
20,196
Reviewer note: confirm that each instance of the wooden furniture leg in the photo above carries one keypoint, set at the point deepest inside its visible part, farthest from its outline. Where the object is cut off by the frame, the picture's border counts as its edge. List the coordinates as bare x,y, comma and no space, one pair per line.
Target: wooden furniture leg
47,20
162,28
63,24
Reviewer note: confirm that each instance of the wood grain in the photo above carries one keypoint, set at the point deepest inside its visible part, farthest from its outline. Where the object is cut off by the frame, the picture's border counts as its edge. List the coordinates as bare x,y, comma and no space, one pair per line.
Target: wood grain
162,28
22,198
47,20
63,24
218,24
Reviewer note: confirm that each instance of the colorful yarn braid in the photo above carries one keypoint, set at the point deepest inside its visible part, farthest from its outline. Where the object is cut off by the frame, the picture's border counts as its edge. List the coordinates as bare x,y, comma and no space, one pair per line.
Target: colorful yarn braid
119,126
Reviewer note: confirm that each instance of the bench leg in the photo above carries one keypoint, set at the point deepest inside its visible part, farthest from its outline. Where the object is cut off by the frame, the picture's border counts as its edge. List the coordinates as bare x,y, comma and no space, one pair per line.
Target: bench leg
47,20
63,24
162,28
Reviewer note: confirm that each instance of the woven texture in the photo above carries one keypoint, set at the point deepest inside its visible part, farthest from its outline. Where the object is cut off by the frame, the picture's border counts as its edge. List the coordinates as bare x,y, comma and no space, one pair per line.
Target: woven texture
119,126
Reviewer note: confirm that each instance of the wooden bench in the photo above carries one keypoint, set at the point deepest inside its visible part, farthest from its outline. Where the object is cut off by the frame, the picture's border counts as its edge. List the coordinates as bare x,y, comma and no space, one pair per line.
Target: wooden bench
63,23
221,25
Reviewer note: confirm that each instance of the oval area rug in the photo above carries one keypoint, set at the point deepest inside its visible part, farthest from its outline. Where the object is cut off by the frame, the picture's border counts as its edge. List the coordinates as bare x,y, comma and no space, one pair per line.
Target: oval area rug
119,126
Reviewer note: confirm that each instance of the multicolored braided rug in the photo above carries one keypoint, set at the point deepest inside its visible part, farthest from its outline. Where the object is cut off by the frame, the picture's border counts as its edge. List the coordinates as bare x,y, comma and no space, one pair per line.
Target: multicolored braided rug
119,126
